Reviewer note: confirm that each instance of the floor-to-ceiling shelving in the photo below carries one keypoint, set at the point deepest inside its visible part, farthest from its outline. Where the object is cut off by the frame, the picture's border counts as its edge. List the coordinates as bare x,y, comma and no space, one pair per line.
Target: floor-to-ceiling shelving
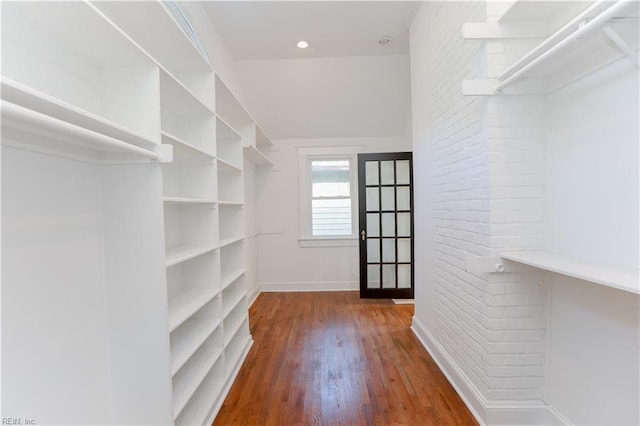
83,306
94,99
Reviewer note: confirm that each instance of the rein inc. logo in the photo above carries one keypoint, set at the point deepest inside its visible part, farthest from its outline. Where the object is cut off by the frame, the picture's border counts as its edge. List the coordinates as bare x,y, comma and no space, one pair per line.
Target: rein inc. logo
18,421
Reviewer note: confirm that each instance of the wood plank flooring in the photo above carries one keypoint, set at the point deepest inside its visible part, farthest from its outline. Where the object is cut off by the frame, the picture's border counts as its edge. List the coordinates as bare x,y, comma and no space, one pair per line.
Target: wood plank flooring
330,358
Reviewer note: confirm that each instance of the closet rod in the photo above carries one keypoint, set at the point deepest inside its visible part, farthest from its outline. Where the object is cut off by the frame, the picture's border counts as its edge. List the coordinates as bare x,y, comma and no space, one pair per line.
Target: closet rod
553,39
21,117
585,28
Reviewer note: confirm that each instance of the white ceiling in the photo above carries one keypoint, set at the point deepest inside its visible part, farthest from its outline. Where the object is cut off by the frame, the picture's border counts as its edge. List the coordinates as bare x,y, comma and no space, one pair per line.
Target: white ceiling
259,30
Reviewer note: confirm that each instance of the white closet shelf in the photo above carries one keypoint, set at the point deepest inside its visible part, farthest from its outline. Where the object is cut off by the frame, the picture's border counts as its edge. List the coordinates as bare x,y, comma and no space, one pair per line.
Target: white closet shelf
186,382
184,305
229,108
229,241
232,324
186,340
226,131
227,166
256,157
164,40
183,200
31,130
182,148
614,276
183,253
230,203
261,139
201,404
237,349
570,53
527,11
233,302
178,99
231,277
28,109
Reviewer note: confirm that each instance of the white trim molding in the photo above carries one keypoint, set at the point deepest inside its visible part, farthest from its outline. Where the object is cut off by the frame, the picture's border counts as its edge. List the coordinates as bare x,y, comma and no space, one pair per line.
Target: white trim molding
485,412
328,242
297,286
253,295
305,156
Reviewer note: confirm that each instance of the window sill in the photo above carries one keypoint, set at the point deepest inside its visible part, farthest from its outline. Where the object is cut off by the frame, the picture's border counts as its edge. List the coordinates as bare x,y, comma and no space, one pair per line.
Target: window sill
328,242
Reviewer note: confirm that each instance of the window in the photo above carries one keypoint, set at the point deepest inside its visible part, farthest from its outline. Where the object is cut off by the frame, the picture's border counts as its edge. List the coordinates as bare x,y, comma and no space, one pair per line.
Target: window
331,198
328,196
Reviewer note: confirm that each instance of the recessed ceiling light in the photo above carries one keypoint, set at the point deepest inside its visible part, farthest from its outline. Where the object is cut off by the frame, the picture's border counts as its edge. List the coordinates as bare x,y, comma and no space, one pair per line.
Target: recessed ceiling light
384,40
302,44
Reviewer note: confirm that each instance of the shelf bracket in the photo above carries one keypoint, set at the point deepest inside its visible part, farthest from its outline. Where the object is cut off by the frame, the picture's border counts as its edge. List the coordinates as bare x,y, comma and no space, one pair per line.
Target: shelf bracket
615,37
165,153
497,30
487,265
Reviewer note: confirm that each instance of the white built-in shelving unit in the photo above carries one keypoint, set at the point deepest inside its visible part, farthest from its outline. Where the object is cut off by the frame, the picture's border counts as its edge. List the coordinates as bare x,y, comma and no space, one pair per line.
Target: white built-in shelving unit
123,217
615,276
84,308
591,37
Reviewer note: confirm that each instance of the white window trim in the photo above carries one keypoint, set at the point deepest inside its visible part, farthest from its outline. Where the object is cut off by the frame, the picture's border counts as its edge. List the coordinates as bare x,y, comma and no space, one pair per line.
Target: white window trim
305,155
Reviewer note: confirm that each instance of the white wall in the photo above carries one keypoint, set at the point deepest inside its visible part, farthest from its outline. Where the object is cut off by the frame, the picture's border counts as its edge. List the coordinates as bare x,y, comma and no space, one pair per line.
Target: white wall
344,97
283,264
593,165
594,332
489,178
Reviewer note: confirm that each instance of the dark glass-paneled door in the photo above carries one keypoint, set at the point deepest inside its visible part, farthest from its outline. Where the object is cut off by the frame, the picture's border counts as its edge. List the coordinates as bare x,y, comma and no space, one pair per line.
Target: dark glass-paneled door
385,189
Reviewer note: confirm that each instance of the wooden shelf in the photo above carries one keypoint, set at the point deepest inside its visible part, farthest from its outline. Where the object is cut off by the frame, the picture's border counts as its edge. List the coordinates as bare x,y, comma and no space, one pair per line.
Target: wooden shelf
229,108
231,203
224,130
237,294
236,351
228,241
256,157
226,166
64,128
184,305
233,321
569,54
195,201
164,40
191,375
525,11
182,254
262,140
614,276
208,395
231,277
182,148
178,99
187,339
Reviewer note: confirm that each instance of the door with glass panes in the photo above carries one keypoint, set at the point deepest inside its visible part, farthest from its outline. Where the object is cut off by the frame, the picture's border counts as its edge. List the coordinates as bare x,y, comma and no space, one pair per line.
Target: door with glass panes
386,225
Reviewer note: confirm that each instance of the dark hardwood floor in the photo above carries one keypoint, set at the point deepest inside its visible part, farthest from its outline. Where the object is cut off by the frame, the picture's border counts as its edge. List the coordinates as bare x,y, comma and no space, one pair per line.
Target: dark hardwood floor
330,358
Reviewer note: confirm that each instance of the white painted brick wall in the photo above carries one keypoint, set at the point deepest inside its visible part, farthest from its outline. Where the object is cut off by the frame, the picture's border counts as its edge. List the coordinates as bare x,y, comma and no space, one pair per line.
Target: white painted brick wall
517,222
489,196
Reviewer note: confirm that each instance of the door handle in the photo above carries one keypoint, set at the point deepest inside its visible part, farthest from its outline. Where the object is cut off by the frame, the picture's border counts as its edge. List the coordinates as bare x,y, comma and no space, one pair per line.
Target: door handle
363,234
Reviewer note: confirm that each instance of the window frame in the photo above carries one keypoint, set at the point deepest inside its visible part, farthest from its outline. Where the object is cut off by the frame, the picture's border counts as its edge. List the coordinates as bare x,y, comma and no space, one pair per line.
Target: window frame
305,157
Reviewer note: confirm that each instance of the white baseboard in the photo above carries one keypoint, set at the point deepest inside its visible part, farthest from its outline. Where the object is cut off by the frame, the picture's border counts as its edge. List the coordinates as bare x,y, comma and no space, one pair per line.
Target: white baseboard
309,286
557,418
485,412
252,296
404,301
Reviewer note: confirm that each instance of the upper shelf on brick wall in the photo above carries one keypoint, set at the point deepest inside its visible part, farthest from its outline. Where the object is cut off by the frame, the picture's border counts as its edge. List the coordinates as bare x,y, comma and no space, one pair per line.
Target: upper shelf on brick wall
601,34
